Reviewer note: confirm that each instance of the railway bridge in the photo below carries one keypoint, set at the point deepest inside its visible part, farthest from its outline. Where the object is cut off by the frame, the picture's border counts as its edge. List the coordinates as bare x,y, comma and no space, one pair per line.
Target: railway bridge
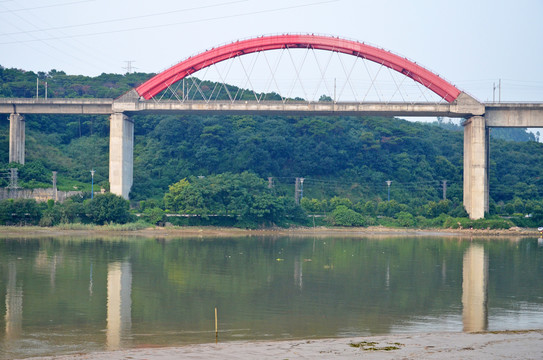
148,98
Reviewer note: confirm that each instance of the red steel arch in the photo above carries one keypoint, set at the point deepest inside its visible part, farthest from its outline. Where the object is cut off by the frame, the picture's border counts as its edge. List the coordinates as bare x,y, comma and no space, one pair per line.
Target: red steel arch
159,82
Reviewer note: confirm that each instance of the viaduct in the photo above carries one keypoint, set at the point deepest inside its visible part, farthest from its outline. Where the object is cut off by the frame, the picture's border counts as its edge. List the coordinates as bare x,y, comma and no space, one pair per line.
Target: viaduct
479,117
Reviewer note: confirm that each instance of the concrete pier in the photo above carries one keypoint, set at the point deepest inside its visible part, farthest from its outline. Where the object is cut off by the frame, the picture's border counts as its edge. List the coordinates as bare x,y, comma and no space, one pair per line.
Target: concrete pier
476,167
16,139
121,154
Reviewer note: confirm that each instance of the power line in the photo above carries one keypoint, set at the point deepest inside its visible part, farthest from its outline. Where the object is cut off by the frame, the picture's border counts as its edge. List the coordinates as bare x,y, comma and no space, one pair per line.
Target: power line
120,19
109,32
65,53
45,6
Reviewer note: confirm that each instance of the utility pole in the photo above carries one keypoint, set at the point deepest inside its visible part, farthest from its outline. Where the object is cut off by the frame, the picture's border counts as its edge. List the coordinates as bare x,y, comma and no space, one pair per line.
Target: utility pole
92,183
493,92
55,192
298,190
388,185
499,87
444,189
270,182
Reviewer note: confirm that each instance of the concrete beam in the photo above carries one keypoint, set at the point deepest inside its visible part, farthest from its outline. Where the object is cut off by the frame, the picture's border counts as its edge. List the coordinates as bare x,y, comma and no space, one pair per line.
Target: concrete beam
56,106
16,139
476,167
293,108
514,115
121,158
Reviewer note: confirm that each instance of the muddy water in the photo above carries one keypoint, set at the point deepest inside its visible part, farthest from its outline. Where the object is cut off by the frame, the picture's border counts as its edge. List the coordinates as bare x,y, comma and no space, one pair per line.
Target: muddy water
61,296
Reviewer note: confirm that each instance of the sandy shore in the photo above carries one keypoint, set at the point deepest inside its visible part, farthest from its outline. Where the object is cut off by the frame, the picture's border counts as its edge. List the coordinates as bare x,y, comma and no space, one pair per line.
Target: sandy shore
490,345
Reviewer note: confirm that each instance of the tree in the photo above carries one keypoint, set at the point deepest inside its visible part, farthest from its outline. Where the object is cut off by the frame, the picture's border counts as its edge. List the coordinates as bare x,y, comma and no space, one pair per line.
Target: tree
405,219
20,212
343,216
105,208
155,216
175,199
244,196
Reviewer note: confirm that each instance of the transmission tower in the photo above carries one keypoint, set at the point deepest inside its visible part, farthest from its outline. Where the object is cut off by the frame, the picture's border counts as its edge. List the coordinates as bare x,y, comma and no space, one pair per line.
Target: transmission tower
13,176
129,68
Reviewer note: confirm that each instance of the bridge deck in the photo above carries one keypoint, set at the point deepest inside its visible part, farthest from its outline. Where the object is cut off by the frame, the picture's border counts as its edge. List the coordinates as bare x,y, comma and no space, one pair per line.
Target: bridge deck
109,106
56,106
496,114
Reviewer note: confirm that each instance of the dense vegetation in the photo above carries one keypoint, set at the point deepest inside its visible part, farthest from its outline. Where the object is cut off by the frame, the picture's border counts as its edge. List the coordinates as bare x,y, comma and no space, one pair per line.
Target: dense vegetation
345,161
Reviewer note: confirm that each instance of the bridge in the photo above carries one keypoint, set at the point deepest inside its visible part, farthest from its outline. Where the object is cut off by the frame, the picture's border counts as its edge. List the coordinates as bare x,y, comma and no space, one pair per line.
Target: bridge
148,98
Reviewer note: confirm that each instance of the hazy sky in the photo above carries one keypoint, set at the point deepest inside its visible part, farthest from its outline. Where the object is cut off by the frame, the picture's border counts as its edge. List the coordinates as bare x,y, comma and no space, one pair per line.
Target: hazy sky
469,42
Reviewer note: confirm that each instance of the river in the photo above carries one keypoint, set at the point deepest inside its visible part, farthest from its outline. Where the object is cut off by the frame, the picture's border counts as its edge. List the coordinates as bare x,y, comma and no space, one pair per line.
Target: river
61,296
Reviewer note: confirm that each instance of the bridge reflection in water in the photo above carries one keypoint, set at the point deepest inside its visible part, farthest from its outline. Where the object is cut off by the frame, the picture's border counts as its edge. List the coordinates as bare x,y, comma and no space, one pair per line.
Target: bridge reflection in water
474,295
119,304
119,332
474,289
14,305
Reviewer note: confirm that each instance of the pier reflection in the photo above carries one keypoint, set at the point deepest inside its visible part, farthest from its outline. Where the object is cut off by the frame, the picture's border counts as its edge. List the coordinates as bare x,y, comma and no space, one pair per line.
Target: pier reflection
119,304
474,289
14,305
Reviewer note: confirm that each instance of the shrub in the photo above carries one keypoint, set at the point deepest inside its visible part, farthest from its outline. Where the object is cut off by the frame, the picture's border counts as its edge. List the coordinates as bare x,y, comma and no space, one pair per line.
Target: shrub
405,219
466,223
106,208
155,215
343,216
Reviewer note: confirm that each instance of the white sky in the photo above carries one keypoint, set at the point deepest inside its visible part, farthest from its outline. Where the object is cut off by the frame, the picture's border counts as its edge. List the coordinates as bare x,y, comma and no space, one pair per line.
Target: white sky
472,43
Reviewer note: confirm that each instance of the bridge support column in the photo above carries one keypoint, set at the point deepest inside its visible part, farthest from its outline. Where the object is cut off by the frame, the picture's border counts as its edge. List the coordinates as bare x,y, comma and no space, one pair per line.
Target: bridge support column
121,154
476,167
16,139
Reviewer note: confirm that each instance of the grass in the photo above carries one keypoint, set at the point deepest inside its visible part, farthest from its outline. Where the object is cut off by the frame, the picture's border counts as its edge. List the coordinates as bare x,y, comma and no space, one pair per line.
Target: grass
140,225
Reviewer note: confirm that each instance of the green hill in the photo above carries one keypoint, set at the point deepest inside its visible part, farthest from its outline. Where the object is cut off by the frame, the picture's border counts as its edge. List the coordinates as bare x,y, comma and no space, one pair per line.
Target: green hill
346,157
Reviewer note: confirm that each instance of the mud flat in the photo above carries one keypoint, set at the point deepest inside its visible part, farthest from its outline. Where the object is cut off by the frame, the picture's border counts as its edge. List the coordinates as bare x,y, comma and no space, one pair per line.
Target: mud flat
489,345
210,231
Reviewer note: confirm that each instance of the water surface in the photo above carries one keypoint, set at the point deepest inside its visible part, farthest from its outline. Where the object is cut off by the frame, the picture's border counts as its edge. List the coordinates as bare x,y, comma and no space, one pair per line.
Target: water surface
78,295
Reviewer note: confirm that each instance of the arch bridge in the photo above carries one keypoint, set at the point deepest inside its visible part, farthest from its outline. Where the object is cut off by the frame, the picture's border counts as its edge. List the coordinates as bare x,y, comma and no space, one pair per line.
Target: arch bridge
148,98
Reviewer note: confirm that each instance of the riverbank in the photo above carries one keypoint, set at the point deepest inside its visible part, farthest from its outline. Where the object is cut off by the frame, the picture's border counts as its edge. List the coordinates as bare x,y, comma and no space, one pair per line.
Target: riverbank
210,231
480,346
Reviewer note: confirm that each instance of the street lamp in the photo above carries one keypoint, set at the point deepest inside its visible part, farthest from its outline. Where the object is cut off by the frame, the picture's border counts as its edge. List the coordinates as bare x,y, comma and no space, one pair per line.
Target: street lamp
92,183
388,185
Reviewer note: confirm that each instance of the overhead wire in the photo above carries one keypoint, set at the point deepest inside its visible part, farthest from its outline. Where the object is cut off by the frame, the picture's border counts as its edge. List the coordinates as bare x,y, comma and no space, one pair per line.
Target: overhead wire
46,6
89,53
222,17
70,54
122,19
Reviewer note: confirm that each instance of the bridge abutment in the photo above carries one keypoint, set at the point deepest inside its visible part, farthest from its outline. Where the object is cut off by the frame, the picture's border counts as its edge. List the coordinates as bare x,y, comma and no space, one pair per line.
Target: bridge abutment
476,163
121,154
17,138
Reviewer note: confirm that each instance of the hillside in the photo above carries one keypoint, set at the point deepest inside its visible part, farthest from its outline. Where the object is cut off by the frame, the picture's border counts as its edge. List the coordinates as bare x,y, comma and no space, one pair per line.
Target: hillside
338,156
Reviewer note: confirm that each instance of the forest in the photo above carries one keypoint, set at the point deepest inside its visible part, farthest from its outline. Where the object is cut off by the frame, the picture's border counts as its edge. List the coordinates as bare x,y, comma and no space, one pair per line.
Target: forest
345,161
